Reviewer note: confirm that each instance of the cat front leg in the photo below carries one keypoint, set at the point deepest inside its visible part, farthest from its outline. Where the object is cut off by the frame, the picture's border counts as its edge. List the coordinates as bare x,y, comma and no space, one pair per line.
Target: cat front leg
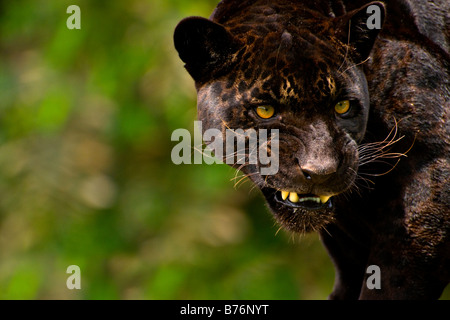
349,259
404,278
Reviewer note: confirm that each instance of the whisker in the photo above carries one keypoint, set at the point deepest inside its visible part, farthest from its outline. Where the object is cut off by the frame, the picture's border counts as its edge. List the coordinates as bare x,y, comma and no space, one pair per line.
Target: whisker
376,152
243,178
346,47
385,173
373,151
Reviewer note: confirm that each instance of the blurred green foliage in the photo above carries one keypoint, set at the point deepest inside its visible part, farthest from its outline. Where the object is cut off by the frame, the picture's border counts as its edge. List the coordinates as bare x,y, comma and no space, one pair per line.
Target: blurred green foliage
86,178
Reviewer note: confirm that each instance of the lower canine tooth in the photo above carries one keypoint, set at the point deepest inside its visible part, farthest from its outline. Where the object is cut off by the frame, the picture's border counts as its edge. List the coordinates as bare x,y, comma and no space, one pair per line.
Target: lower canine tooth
324,199
284,194
293,197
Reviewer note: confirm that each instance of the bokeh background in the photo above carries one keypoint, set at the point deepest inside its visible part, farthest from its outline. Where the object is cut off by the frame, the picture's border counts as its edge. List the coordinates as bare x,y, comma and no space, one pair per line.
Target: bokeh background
86,177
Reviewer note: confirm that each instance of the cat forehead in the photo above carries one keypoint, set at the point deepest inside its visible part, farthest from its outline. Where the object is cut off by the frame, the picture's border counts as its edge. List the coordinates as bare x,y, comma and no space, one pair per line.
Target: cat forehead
260,41
278,52
281,69
289,54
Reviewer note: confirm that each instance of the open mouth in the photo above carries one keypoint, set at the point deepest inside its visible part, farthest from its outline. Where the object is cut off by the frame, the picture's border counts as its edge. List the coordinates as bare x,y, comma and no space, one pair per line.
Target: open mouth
301,213
305,201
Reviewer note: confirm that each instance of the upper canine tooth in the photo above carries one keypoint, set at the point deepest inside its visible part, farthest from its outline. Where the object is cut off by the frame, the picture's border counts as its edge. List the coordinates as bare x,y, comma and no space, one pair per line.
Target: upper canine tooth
293,197
324,199
284,194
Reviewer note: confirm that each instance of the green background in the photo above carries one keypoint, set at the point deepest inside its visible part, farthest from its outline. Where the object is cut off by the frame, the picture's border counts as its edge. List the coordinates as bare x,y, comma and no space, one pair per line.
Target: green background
86,177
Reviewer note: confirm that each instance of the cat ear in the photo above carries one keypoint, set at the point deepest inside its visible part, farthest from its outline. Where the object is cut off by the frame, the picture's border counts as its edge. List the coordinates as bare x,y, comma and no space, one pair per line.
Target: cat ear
205,46
360,28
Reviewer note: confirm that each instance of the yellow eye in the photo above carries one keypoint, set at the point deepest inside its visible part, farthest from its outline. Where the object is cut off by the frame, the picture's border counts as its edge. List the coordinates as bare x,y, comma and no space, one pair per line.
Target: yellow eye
265,112
342,107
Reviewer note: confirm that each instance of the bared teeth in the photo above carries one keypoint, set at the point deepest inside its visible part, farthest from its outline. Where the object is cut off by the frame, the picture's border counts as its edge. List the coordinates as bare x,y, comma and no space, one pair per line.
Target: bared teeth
324,199
295,198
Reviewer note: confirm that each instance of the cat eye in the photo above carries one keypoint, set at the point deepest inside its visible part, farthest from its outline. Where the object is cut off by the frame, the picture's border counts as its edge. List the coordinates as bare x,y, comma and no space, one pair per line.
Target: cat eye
265,112
342,107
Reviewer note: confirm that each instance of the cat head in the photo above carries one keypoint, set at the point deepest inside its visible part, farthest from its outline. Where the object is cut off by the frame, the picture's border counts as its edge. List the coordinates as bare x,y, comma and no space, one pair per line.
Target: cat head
283,66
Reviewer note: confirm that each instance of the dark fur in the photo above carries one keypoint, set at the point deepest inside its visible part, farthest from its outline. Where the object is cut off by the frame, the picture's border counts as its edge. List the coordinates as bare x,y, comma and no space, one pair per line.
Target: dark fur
300,57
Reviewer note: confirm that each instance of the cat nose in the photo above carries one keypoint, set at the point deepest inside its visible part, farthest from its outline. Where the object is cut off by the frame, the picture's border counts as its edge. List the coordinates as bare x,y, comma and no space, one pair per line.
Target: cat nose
319,173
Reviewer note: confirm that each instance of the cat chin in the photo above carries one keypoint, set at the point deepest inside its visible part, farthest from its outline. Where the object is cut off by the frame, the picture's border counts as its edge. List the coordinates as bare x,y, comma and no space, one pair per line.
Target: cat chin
300,217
